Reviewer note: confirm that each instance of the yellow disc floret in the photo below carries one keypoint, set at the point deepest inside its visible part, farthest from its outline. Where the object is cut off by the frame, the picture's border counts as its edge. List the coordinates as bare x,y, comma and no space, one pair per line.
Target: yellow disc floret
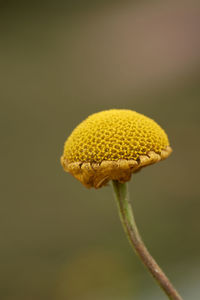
112,136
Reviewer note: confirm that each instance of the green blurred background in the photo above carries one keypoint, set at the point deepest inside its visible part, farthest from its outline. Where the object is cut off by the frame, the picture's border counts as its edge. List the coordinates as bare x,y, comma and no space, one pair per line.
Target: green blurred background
60,62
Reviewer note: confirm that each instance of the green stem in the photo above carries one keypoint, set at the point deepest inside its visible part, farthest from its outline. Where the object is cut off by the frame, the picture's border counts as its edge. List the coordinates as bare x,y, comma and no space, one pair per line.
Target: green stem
128,222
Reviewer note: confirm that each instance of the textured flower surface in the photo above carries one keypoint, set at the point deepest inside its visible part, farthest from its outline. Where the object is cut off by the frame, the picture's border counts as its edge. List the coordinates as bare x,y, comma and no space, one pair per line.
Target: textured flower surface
113,144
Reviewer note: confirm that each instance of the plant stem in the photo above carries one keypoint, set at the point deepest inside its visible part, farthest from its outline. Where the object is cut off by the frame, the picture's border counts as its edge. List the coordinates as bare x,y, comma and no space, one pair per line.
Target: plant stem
128,222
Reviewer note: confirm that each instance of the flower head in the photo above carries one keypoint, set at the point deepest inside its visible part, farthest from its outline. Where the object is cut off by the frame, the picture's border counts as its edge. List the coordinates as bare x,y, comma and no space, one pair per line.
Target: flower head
111,145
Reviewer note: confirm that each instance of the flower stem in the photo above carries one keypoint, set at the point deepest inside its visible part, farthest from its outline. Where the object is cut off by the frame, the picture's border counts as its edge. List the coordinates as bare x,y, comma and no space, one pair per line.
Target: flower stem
128,222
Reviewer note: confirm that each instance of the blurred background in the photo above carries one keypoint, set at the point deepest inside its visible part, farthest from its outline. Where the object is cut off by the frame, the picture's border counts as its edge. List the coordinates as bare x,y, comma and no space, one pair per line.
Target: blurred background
59,62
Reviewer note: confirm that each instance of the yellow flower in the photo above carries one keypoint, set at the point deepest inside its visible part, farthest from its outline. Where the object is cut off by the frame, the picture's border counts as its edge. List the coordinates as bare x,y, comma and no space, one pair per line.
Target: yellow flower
111,145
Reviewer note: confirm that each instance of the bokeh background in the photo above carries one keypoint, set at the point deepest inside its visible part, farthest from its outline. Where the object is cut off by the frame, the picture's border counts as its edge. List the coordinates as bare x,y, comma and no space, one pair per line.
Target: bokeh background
60,62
